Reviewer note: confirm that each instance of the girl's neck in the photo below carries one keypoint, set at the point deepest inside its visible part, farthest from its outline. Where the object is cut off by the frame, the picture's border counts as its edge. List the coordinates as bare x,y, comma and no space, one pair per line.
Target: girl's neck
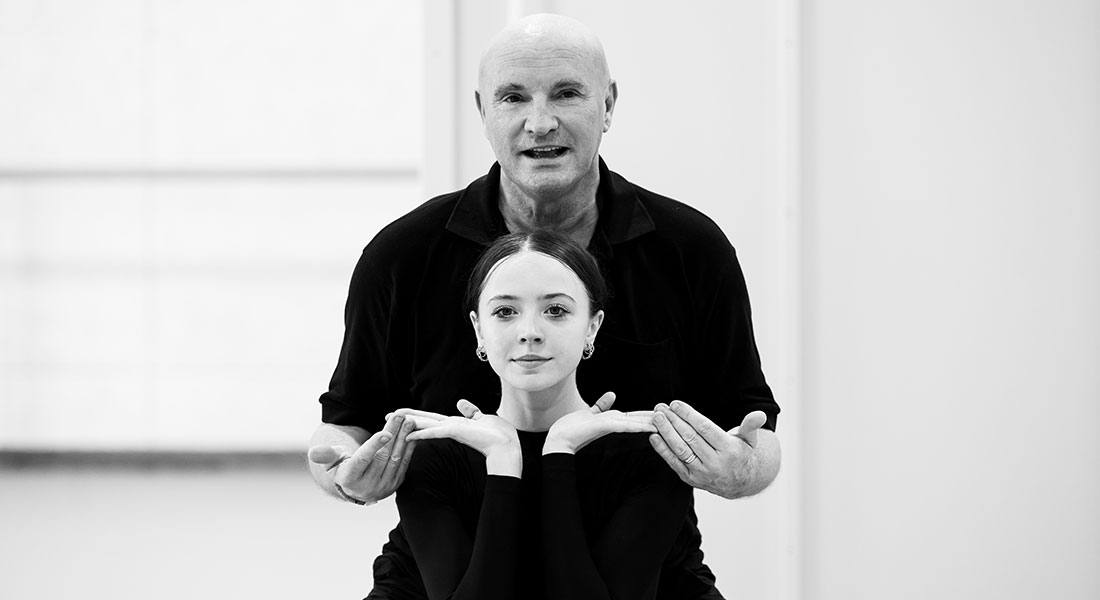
537,411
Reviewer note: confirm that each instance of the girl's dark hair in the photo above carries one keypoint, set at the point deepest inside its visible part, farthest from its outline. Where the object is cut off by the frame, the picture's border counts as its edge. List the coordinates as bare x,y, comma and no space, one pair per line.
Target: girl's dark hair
556,246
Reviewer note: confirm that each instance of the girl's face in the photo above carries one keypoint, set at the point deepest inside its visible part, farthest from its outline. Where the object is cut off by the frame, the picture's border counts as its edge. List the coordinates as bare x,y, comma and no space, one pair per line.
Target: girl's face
533,320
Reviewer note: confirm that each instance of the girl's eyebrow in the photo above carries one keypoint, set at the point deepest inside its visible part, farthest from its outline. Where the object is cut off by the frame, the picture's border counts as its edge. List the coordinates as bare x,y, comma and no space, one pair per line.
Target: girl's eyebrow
511,298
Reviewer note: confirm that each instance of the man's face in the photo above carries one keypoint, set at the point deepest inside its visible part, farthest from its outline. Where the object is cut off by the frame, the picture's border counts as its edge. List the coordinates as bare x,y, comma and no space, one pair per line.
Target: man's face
545,110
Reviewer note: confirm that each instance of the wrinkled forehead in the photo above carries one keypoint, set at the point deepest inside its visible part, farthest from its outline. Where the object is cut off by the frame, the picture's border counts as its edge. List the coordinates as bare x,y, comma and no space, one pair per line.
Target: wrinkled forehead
525,58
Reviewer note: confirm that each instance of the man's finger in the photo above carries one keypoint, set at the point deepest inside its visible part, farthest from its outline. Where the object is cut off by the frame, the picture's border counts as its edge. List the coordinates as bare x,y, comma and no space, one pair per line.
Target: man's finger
694,441
410,447
750,425
379,443
397,456
669,456
712,434
671,436
604,403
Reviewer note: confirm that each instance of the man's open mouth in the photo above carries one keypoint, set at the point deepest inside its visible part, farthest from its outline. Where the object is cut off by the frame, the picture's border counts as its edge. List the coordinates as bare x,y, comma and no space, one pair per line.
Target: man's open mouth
546,152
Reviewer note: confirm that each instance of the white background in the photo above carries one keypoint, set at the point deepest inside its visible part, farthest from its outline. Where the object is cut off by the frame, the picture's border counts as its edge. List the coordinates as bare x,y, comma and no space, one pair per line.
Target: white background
912,188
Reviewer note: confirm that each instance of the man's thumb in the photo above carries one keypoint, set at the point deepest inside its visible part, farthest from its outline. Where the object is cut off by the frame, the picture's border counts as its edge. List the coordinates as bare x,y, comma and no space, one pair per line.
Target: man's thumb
323,455
749,426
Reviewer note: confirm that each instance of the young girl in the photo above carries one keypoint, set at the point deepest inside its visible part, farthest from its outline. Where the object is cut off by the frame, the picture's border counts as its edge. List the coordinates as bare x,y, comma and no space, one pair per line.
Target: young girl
548,498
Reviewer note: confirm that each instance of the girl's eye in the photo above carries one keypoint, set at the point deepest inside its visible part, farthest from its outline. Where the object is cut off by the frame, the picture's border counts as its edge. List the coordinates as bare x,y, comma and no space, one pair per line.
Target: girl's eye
503,312
557,310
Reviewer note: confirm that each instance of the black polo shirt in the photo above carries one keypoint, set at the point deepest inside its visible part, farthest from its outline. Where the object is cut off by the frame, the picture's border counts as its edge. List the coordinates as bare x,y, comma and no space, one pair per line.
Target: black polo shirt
677,326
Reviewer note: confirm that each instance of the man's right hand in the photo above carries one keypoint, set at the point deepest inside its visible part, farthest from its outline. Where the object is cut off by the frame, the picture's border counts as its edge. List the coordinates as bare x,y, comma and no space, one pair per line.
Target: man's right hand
375,469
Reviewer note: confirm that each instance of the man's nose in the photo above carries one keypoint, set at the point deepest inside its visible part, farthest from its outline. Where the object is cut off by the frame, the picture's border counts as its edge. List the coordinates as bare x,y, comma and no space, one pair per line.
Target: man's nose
541,120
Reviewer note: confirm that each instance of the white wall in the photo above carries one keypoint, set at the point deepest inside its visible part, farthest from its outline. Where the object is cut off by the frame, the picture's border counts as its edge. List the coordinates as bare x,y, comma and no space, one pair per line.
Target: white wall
952,197
184,189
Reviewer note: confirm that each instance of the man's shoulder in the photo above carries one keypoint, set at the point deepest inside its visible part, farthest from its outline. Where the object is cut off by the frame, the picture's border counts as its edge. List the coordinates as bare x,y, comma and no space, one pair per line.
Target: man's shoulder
419,236
428,219
676,222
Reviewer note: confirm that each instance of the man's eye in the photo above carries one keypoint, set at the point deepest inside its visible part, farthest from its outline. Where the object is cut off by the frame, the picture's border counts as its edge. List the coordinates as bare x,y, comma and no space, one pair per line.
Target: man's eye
511,98
570,94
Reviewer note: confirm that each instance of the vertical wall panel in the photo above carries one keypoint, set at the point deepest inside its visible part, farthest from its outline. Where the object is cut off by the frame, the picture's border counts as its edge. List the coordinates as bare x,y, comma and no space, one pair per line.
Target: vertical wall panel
954,280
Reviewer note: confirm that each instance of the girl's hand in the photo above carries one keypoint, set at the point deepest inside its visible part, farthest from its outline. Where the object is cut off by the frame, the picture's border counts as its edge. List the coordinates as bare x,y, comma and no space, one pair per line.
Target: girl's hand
577,429
488,434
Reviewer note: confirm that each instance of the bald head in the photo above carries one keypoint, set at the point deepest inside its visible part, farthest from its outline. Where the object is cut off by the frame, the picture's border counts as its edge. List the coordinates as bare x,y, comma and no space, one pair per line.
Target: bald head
546,98
546,36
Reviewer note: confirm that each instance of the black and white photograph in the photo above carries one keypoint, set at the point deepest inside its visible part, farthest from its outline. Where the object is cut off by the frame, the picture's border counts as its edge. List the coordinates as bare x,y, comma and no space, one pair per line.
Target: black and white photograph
549,299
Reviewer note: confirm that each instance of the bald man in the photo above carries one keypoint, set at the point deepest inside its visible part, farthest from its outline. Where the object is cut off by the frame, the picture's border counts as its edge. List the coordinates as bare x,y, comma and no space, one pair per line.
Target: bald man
678,336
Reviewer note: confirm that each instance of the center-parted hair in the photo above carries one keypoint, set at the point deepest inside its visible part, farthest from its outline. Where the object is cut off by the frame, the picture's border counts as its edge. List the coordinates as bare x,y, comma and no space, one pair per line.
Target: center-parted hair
559,247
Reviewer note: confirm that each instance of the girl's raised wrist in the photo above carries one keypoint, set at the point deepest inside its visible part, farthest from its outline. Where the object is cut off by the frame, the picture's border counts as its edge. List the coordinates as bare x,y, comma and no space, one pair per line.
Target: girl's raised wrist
507,461
557,444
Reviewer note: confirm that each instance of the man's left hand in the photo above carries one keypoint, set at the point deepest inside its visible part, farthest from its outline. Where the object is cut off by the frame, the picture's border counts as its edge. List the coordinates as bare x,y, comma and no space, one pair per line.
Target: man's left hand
731,464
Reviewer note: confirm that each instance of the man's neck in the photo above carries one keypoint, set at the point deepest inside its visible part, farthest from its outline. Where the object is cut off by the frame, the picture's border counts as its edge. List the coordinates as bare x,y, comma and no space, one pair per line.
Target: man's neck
573,214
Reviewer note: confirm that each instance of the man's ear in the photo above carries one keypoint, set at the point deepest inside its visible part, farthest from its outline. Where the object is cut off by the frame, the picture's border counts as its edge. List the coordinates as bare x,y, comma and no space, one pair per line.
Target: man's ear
477,102
609,104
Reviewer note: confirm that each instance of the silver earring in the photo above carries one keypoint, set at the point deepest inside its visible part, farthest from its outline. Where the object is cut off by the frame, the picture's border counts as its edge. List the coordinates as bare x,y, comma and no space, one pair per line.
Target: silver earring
482,355
588,351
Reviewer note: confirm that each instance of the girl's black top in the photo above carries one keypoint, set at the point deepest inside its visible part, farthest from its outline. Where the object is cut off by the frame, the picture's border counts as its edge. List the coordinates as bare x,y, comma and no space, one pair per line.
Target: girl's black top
597,524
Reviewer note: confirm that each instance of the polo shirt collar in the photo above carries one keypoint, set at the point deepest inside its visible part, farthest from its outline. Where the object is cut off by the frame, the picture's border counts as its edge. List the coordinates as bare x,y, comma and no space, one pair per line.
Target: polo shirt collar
622,216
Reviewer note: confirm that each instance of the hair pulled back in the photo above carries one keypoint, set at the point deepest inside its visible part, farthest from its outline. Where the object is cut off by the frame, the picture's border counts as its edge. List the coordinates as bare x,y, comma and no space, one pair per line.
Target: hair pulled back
555,245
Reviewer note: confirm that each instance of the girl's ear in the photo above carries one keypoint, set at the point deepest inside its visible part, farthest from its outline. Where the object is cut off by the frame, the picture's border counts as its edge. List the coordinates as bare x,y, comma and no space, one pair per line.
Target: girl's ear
594,325
477,327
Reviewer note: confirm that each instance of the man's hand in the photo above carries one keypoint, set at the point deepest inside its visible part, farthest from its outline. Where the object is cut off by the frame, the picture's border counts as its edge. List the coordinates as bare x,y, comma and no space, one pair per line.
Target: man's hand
733,464
577,429
375,469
